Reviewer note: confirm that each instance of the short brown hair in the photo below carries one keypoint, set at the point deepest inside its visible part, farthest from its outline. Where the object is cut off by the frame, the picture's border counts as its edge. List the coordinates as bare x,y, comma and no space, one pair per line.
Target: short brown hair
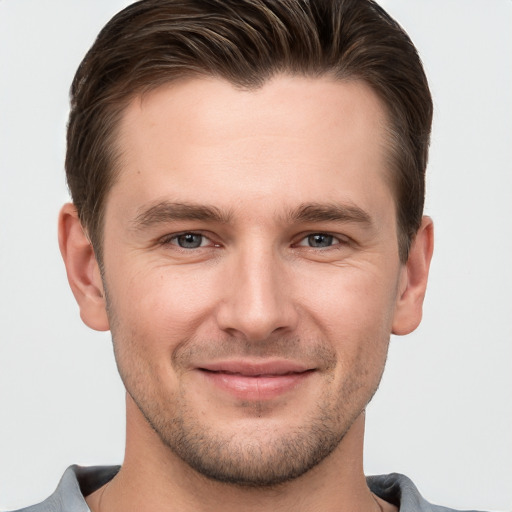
152,42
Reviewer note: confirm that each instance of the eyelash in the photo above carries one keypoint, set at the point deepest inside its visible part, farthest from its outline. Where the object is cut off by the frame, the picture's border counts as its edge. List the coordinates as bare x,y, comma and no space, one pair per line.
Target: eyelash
331,238
173,240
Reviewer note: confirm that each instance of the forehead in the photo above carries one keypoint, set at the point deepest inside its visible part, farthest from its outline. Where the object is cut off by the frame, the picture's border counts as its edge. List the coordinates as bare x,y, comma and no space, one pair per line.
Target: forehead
208,109
294,139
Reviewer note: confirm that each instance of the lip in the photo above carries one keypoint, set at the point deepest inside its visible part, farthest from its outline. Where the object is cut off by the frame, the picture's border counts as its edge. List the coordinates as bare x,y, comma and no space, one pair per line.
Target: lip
256,380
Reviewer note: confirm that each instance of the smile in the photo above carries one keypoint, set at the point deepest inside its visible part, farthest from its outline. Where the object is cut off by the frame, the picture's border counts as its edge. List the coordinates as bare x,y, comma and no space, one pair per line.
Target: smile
255,382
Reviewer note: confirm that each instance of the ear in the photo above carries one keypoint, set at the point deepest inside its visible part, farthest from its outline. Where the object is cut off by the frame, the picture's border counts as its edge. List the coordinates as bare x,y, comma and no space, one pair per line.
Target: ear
413,281
82,269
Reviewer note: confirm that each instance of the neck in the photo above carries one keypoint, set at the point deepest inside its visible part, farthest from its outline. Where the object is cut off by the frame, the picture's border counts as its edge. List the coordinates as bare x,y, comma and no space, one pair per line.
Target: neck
152,478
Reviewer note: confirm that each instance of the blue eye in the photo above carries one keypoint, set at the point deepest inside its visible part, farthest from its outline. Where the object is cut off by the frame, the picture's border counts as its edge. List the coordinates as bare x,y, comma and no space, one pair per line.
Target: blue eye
189,240
319,240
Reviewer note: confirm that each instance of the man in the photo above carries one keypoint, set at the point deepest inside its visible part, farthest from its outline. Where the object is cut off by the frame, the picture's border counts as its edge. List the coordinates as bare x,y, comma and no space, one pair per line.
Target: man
248,183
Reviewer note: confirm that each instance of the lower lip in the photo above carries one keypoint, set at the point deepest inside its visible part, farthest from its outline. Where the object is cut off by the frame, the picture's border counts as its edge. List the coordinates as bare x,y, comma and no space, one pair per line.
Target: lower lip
257,388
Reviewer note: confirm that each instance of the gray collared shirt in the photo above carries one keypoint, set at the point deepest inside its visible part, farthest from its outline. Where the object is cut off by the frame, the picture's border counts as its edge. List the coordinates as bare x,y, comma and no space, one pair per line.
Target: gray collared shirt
78,482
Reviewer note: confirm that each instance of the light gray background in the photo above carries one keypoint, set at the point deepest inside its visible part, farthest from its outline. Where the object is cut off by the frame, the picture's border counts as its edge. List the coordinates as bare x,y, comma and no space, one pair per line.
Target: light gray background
443,414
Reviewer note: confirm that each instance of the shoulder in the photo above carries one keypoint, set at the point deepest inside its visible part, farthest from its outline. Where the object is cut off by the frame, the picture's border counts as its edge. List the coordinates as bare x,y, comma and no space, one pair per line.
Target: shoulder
401,491
76,482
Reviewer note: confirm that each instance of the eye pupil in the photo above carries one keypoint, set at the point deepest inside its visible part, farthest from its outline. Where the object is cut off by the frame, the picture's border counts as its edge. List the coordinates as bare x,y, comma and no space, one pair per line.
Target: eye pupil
190,240
320,240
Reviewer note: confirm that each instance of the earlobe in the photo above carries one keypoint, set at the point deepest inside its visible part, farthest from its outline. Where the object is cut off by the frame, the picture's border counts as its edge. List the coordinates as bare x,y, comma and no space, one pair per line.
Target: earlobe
82,269
412,290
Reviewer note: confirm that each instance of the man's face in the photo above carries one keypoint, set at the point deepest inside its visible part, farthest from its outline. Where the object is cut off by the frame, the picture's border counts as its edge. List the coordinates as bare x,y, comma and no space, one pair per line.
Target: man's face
251,269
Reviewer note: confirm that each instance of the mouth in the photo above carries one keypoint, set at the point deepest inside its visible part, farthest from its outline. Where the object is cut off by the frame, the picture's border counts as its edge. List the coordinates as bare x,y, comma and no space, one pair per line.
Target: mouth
256,381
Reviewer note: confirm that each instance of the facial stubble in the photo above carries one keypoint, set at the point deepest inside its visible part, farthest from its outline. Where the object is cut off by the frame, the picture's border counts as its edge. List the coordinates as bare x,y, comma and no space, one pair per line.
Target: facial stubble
257,455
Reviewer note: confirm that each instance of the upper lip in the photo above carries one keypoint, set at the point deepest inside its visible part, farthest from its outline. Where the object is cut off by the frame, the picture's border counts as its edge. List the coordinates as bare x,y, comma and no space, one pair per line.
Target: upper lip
256,368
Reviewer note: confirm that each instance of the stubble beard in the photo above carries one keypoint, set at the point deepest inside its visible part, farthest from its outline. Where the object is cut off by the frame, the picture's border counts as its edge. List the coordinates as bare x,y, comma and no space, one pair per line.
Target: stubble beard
254,458
259,456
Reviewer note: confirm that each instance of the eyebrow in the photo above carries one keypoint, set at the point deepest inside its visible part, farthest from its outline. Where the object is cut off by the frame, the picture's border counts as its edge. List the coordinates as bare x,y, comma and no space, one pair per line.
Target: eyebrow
320,212
167,211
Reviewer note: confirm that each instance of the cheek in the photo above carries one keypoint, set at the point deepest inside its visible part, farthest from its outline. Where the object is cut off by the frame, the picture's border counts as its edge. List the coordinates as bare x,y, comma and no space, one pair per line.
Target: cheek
355,315
353,300
162,306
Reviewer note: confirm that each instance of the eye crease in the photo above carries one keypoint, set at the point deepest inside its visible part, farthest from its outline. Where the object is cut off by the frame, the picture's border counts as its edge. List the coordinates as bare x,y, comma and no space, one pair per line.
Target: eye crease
318,241
189,240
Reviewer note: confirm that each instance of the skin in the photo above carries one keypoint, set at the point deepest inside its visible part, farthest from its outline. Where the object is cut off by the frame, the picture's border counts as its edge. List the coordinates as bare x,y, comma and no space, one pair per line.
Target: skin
296,271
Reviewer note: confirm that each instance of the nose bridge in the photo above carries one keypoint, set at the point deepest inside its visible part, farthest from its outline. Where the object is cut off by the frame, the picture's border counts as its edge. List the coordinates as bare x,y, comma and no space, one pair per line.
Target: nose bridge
257,300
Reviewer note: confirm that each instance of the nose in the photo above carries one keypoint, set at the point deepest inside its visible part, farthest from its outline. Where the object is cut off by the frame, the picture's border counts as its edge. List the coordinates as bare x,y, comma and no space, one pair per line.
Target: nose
257,300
